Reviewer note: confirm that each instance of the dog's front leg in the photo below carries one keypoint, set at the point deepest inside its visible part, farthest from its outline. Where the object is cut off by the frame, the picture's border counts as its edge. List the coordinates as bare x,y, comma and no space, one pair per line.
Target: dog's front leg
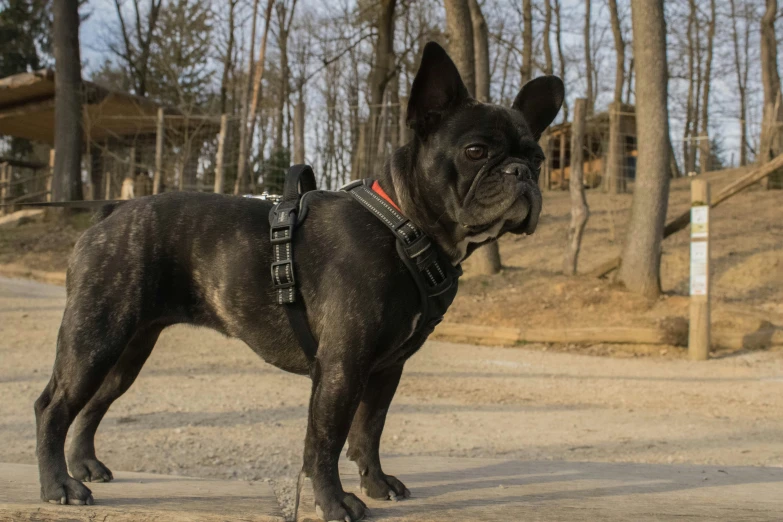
364,439
337,389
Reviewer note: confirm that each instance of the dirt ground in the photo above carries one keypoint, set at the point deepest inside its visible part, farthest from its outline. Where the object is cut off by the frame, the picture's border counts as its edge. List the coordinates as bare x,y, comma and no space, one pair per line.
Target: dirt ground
531,291
207,406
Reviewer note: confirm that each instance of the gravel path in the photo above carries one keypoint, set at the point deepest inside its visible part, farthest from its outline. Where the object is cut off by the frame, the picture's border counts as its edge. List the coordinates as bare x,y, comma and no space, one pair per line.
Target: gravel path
206,406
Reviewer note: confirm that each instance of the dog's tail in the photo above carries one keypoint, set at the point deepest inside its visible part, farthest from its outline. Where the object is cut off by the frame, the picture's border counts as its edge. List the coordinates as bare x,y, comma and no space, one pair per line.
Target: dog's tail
104,211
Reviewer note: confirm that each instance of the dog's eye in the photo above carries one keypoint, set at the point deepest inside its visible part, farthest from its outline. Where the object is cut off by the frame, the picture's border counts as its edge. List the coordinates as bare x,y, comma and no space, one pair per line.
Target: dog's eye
476,152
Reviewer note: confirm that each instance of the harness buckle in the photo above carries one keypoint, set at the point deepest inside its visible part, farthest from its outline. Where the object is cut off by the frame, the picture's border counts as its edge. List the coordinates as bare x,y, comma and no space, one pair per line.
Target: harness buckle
283,277
281,227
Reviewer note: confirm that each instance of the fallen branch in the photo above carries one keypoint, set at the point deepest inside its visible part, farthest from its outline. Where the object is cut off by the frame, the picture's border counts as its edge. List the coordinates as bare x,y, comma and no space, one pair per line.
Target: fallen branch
684,219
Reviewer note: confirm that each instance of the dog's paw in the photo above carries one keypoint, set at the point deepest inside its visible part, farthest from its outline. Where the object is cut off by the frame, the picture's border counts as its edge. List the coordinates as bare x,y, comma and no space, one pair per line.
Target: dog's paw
90,470
349,509
68,491
384,487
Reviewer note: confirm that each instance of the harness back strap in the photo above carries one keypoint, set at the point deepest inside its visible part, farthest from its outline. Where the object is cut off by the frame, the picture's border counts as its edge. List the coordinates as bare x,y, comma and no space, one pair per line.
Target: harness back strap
282,223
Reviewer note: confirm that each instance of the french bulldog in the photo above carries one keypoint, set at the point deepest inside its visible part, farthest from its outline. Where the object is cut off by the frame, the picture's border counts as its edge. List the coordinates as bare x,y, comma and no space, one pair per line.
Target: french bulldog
468,176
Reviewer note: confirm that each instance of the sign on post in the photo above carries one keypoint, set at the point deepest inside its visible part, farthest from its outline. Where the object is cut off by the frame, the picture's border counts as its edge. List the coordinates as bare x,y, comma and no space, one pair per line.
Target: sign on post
699,329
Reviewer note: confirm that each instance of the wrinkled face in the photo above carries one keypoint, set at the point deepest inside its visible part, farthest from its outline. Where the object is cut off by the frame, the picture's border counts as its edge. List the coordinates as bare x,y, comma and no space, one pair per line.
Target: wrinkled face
488,163
483,160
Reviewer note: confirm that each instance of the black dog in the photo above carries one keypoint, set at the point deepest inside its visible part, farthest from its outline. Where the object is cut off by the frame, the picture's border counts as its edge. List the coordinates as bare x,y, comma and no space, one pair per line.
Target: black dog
468,176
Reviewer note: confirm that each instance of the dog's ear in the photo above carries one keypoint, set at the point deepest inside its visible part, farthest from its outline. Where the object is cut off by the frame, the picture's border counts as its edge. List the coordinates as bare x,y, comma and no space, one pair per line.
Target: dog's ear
437,89
539,101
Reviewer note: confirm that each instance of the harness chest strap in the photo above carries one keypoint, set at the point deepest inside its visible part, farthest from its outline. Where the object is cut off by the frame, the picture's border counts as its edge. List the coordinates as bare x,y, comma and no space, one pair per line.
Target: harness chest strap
434,276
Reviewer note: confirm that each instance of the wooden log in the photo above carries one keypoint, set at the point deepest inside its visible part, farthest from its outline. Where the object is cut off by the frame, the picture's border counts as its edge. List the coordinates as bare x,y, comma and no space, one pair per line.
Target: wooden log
731,339
699,324
158,152
684,219
51,175
221,155
579,210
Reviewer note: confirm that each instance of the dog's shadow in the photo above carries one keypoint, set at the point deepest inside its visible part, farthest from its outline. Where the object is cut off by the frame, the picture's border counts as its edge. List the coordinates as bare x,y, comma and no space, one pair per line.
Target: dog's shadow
477,489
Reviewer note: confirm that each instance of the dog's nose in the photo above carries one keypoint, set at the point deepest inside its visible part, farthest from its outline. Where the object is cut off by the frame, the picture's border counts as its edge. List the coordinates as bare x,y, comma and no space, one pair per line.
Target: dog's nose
519,170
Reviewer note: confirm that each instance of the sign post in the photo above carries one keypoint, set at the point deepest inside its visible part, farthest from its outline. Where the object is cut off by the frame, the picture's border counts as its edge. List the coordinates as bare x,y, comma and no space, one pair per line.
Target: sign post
699,330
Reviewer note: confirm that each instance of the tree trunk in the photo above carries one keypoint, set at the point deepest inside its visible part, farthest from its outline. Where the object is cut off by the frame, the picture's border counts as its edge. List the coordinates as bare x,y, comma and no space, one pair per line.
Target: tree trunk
743,159
548,66
640,270
249,123
227,60
770,79
579,210
480,51
561,59
527,41
245,108
687,160
619,49
704,143
615,158
488,256
67,178
460,29
379,77
299,123
588,60
629,86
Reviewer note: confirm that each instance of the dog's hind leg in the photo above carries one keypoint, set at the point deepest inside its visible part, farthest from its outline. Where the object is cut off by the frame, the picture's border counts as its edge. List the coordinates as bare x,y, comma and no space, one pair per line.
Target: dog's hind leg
82,462
86,353
364,439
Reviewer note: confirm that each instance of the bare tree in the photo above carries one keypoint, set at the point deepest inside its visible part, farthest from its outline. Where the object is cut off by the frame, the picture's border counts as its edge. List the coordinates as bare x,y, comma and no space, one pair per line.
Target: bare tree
561,59
460,29
285,17
615,175
741,69
135,49
382,72
579,210
548,66
248,123
527,41
640,269
487,257
67,179
228,63
770,79
704,142
588,61
689,161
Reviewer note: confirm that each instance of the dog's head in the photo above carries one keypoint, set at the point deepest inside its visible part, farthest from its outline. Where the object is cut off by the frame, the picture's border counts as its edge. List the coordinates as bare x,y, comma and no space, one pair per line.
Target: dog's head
475,165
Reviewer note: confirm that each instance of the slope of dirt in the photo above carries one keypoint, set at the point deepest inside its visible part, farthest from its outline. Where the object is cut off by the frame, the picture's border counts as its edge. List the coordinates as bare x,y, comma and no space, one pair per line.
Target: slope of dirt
531,291
747,268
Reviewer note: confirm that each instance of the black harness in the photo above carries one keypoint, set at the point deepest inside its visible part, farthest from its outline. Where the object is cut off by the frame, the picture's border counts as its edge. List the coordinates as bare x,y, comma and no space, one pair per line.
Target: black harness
434,275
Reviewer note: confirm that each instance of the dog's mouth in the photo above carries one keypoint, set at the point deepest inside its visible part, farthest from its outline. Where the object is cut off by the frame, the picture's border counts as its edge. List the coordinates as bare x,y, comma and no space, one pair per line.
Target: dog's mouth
501,199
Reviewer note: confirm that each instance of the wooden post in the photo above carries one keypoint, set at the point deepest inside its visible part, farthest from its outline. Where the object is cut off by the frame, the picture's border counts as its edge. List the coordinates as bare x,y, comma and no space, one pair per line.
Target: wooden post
299,139
579,210
544,183
221,154
158,153
561,174
51,176
107,184
704,153
5,180
699,330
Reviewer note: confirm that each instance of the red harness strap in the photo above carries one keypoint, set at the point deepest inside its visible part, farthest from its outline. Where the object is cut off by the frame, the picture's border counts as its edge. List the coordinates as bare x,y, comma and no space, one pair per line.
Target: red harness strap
376,187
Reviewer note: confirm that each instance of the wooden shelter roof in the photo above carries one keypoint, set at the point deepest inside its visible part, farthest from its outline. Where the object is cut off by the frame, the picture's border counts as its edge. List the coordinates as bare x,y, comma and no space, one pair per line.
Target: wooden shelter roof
27,111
